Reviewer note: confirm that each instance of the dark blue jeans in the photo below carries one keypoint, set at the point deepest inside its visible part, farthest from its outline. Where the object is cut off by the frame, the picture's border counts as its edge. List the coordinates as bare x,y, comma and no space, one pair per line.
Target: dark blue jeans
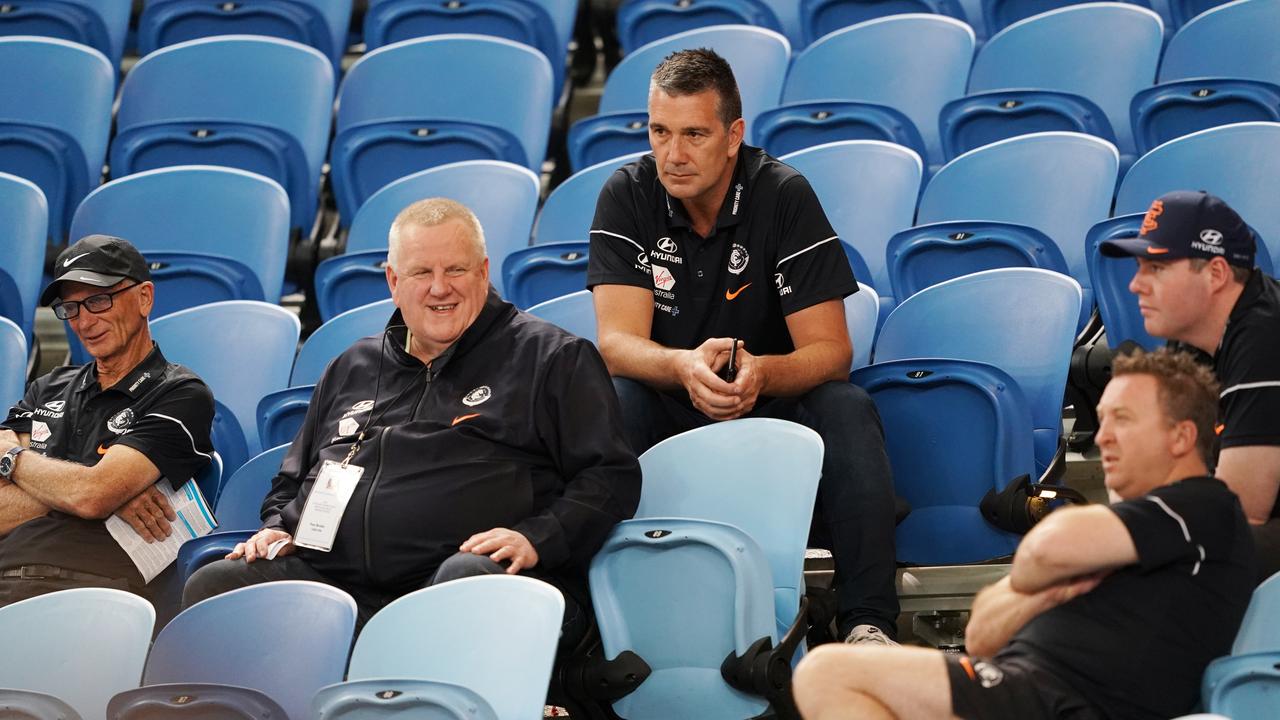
855,508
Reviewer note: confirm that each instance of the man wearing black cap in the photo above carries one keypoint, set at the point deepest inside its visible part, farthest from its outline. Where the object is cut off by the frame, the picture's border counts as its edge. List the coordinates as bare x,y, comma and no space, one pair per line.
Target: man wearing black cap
1197,286
86,442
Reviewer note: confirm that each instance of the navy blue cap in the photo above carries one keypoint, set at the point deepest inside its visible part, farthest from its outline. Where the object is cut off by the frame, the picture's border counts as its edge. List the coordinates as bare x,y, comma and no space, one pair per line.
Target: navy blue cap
98,260
1188,224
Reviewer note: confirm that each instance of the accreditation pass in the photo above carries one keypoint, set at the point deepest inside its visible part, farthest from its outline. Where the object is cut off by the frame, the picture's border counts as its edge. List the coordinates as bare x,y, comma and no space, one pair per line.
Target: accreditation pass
328,499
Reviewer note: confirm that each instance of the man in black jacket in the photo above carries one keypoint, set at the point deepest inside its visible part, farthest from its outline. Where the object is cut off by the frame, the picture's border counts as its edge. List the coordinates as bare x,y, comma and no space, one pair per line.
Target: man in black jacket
467,438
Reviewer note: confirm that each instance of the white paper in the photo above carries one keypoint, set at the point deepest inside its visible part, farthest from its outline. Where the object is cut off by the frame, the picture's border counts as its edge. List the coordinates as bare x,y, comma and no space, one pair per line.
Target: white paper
194,520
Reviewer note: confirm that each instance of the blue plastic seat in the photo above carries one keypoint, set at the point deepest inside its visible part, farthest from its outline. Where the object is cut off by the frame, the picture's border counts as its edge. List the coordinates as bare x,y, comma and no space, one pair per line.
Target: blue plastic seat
567,214
23,704
223,233
506,664
394,119
1246,684
758,57
13,363
228,439
1171,110
281,413
864,214
55,116
1071,50
912,63
100,24
822,17
322,24
644,21
333,338
711,564
195,701
24,215
241,348
249,102
542,272
209,480
1020,320
796,126
290,639
574,312
1000,14
1182,12
862,317
606,136
1058,183
1258,630
81,646
1239,163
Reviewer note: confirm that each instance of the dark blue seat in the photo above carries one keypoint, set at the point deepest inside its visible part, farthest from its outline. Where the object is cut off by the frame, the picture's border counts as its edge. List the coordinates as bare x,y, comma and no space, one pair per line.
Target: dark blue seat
598,138
821,17
280,414
99,24
796,126
567,214
983,118
643,21
542,272
1171,110
24,215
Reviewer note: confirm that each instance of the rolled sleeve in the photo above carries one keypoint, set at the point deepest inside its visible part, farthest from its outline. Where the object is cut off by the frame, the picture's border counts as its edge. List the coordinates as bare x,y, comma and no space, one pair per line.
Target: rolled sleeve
174,433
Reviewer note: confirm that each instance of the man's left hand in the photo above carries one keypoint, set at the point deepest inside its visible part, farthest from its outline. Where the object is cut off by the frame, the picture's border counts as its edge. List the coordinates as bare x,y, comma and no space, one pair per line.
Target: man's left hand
747,384
503,544
8,439
149,514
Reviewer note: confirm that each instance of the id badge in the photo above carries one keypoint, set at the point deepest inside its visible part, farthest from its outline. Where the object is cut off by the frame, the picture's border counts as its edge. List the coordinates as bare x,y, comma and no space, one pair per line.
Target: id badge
329,496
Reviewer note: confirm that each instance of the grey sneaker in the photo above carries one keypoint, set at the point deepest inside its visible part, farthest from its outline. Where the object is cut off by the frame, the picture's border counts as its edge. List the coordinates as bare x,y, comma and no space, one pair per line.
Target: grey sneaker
869,635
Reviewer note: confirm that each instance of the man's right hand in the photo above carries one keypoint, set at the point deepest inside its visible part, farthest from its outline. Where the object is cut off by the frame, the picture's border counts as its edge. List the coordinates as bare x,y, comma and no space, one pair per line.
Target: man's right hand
149,514
708,392
256,546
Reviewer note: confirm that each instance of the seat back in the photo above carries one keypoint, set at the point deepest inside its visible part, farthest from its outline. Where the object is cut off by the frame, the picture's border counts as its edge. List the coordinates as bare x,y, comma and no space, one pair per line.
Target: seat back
333,338
574,312
1243,687
1021,320
606,136
281,414
1258,631
208,210
27,704
221,340
1232,40
986,117
913,63
100,24
507,663
567,214
322,24
644,21
24,215
821,17
240,503
862,317
399,697
81,646
796,126
286,654
13,363
543,272
1171,110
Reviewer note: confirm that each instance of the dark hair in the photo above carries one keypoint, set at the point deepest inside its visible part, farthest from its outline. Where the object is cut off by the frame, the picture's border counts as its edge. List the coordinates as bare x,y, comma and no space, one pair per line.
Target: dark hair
1188,391
688,72
1239,273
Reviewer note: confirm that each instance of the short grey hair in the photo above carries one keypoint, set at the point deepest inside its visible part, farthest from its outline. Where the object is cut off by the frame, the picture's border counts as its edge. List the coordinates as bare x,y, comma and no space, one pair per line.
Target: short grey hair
429,213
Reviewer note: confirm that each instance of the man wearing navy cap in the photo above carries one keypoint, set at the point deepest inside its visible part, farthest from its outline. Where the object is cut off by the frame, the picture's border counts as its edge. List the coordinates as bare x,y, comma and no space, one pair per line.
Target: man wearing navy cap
1197,287
87,442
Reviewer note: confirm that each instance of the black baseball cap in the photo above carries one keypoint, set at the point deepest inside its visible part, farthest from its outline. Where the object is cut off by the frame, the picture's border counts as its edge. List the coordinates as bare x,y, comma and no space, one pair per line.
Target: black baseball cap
99,260
1188,224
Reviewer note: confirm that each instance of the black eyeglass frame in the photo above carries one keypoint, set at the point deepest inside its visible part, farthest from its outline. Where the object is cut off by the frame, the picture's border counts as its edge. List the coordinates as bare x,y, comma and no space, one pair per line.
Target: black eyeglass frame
68,309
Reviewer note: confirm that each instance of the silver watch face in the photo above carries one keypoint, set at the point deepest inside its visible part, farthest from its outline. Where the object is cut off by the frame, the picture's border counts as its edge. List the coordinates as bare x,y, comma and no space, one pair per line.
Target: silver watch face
6,465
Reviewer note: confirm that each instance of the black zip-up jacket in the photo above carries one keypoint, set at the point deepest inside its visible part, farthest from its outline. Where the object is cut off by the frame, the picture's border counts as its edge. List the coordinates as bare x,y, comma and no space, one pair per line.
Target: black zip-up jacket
516,425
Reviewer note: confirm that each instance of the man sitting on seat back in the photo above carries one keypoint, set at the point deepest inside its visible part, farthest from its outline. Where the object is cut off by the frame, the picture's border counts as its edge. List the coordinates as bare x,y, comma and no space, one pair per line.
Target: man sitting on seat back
89,441
1109,611
467,438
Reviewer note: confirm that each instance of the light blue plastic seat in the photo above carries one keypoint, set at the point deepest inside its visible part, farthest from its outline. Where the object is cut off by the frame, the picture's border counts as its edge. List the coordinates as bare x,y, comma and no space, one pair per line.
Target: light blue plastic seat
1258,630
913,63
228,439
606,136
1246,684
322,24
1058,183
398,698
494,103
241,348
334,337
100,24
567,214
224,233
574,312
13,363
864,214
862,316
447,634
542,272
81,646
23,704
250,102
55,116
822,17
644,21
281,413
796,126
1182,12
24,215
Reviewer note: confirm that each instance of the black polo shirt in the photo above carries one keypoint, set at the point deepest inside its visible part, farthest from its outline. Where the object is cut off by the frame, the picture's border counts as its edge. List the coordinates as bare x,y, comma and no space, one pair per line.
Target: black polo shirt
771,253
161,409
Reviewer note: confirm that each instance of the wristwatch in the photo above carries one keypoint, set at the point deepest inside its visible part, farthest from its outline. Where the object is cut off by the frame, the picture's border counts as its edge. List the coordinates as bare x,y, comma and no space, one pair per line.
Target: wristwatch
8,460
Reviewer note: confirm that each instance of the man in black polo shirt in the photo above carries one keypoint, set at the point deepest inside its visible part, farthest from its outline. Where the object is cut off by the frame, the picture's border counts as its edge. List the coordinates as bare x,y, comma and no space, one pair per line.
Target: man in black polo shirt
1108,611
708,241
1197,286
86,442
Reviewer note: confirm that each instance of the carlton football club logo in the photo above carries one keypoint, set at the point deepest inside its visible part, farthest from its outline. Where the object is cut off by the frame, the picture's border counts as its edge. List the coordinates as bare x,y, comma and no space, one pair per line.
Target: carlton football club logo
120,421
738,259
477,396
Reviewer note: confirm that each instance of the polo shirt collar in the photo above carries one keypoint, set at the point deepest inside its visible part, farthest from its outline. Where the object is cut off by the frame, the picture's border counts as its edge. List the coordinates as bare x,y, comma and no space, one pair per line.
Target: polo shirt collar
731,208
1251,294
139,380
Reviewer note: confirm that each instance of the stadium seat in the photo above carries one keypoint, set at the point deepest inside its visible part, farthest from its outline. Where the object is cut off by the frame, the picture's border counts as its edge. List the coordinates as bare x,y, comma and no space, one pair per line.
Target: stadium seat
1020,320
322,24
100,24
1102,53
606,136
249,102
506,665
912,63
281,413
1239,163
24,215
1245,685
644,21
503,196
210,233
999,14
333,338
13,363
567,214
23,704
574,312
1182,12
394,119
862,316
81,646
55,116
542,272
209,480
1058,183
796,126
1171,110
864,214
282,640
1258,630
712,516
228,440
241,348
758,57
822,17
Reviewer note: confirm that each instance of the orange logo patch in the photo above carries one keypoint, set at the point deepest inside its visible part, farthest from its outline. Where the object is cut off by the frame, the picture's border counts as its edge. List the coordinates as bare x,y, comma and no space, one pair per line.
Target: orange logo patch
731,295
1152,250
463,418
101,450
1217,430
1149,221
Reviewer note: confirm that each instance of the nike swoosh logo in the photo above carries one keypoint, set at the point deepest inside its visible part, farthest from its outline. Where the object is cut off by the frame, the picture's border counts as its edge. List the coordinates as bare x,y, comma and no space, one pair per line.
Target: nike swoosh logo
68,261
102,450
1156,250
462,418
731,295
1217,430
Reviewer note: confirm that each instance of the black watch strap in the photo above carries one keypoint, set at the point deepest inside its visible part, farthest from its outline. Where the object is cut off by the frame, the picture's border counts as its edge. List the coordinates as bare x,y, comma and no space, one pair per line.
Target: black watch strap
9,460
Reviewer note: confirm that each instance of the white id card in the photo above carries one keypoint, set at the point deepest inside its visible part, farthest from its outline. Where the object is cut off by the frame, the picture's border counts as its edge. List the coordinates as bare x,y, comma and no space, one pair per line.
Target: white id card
328,499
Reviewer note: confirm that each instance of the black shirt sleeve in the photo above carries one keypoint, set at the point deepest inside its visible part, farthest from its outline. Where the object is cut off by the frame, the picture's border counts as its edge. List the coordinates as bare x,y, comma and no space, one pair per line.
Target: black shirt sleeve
617,255
19,417
174,432
1250,405
1187,522
812,267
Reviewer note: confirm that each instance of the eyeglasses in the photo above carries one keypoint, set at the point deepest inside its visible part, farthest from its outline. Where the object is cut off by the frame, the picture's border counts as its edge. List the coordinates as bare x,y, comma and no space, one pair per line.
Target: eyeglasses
100,303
